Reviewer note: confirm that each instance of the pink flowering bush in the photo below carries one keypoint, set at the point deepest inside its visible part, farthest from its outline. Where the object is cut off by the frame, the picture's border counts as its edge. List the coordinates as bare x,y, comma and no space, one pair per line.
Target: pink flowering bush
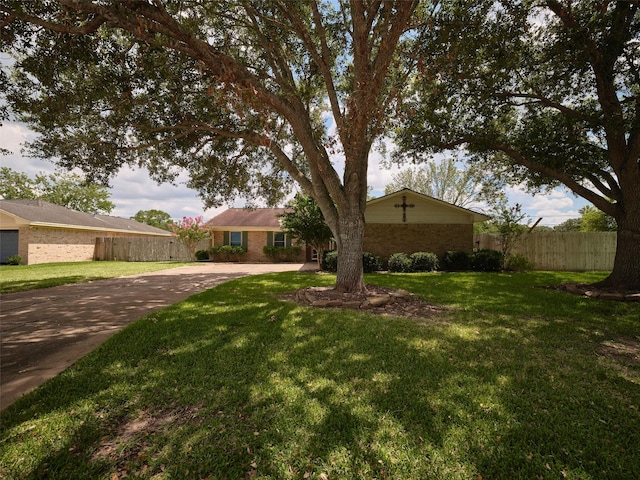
190,231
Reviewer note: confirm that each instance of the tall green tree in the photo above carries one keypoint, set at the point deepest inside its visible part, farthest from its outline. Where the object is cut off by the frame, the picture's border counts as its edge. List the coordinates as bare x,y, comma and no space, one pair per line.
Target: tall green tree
305,223
246,95
67,189
594,220
153,217
446,181
545,92
591,220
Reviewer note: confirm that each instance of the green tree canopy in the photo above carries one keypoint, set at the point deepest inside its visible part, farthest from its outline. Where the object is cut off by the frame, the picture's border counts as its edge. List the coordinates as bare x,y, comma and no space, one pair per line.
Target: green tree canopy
67,189
591,220
546,93
594,220
153,217
246,95
306,223
571,225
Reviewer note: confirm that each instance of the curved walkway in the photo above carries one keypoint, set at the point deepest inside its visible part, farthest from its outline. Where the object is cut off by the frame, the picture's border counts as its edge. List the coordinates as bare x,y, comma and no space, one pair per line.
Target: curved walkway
45,331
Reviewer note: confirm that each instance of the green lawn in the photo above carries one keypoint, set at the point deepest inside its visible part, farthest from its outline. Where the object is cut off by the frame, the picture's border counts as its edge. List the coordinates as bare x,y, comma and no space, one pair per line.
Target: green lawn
17,278
511,381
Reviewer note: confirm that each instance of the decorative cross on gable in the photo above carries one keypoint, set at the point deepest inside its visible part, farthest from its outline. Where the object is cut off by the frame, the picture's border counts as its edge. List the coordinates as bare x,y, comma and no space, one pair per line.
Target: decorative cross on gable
404,205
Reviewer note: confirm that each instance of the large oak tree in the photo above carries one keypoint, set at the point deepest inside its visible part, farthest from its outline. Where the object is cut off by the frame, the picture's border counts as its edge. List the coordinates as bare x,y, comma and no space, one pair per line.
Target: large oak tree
244,94
548,93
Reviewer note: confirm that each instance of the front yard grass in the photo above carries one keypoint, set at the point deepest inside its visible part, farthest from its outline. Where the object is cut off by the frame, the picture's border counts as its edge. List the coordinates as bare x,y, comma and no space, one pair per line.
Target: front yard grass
18,278
511,381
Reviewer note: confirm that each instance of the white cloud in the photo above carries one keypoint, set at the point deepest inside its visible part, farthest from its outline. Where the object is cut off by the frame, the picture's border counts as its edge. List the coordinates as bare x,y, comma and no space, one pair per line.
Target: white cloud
12,135
554,207
542,203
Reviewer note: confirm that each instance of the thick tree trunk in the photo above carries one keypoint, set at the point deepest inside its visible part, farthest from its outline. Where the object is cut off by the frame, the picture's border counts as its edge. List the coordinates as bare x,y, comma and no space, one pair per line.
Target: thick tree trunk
349,241
626,266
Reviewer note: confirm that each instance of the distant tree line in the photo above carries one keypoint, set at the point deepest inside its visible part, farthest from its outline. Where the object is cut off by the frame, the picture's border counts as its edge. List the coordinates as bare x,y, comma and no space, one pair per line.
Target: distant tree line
61,188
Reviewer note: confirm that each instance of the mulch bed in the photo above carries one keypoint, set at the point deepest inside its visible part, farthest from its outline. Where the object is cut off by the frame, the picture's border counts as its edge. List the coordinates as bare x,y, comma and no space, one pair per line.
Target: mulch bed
591,291
379,300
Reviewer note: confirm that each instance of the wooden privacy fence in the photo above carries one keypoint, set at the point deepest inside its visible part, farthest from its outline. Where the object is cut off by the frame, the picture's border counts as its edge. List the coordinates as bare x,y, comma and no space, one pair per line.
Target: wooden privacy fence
573,251
144,249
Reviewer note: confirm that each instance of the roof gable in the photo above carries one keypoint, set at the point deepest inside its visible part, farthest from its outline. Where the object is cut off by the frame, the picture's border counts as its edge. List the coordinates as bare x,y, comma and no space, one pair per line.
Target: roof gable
418,208
45,214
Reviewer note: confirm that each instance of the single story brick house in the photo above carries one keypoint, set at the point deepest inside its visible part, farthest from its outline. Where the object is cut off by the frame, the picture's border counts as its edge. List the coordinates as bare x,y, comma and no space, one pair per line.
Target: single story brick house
408,221
252,228
404,221
41,232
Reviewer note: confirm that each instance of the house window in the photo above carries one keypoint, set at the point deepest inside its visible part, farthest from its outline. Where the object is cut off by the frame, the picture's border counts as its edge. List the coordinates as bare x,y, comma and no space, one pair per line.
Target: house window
235,239
279,239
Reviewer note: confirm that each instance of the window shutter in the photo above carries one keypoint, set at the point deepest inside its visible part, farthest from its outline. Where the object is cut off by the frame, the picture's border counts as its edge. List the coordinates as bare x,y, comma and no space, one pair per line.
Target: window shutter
225,239
269,239
245,239
288,240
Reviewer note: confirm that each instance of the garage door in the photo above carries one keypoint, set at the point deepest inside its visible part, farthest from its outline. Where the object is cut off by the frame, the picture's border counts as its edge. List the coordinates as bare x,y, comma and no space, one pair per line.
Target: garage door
8,244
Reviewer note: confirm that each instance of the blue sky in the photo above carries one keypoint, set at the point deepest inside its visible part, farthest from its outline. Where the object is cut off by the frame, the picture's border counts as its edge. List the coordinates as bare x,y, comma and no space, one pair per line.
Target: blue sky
133,190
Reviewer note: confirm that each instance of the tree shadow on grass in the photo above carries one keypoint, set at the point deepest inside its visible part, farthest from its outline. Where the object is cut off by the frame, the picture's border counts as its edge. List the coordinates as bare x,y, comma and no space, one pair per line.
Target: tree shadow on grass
251,387
34,284
500,292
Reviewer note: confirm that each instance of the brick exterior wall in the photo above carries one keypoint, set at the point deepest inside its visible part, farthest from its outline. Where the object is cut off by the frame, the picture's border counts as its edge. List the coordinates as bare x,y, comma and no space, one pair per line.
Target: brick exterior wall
385,239
256,241
48,245
23,244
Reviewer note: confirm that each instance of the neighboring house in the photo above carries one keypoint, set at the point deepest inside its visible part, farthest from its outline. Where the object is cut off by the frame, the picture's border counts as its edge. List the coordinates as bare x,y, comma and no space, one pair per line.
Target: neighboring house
404,221
41,232
407,221
252,228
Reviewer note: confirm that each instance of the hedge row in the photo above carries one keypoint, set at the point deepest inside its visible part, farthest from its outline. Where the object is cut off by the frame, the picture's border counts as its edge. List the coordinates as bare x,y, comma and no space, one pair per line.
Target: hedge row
483,260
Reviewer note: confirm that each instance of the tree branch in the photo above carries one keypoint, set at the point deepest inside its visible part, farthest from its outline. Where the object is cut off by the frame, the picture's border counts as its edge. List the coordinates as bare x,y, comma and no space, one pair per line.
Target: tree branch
599,201
91,26
549,103
279,65
602,202
325,63
602,62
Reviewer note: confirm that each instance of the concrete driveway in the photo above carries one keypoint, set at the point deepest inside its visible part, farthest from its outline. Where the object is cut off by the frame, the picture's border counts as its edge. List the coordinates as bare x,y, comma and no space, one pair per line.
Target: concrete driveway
45,331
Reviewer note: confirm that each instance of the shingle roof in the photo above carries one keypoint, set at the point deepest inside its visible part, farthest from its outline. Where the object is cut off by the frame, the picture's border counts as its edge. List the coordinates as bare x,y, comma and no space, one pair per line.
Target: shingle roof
248,217
41,213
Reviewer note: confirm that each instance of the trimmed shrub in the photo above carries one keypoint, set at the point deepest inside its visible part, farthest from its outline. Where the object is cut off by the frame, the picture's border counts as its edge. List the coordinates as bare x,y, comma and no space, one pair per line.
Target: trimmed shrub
425,262
202,255
282,254
330,261
517,262
456,261
227,253
486,260
14,260
371,263
400,262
